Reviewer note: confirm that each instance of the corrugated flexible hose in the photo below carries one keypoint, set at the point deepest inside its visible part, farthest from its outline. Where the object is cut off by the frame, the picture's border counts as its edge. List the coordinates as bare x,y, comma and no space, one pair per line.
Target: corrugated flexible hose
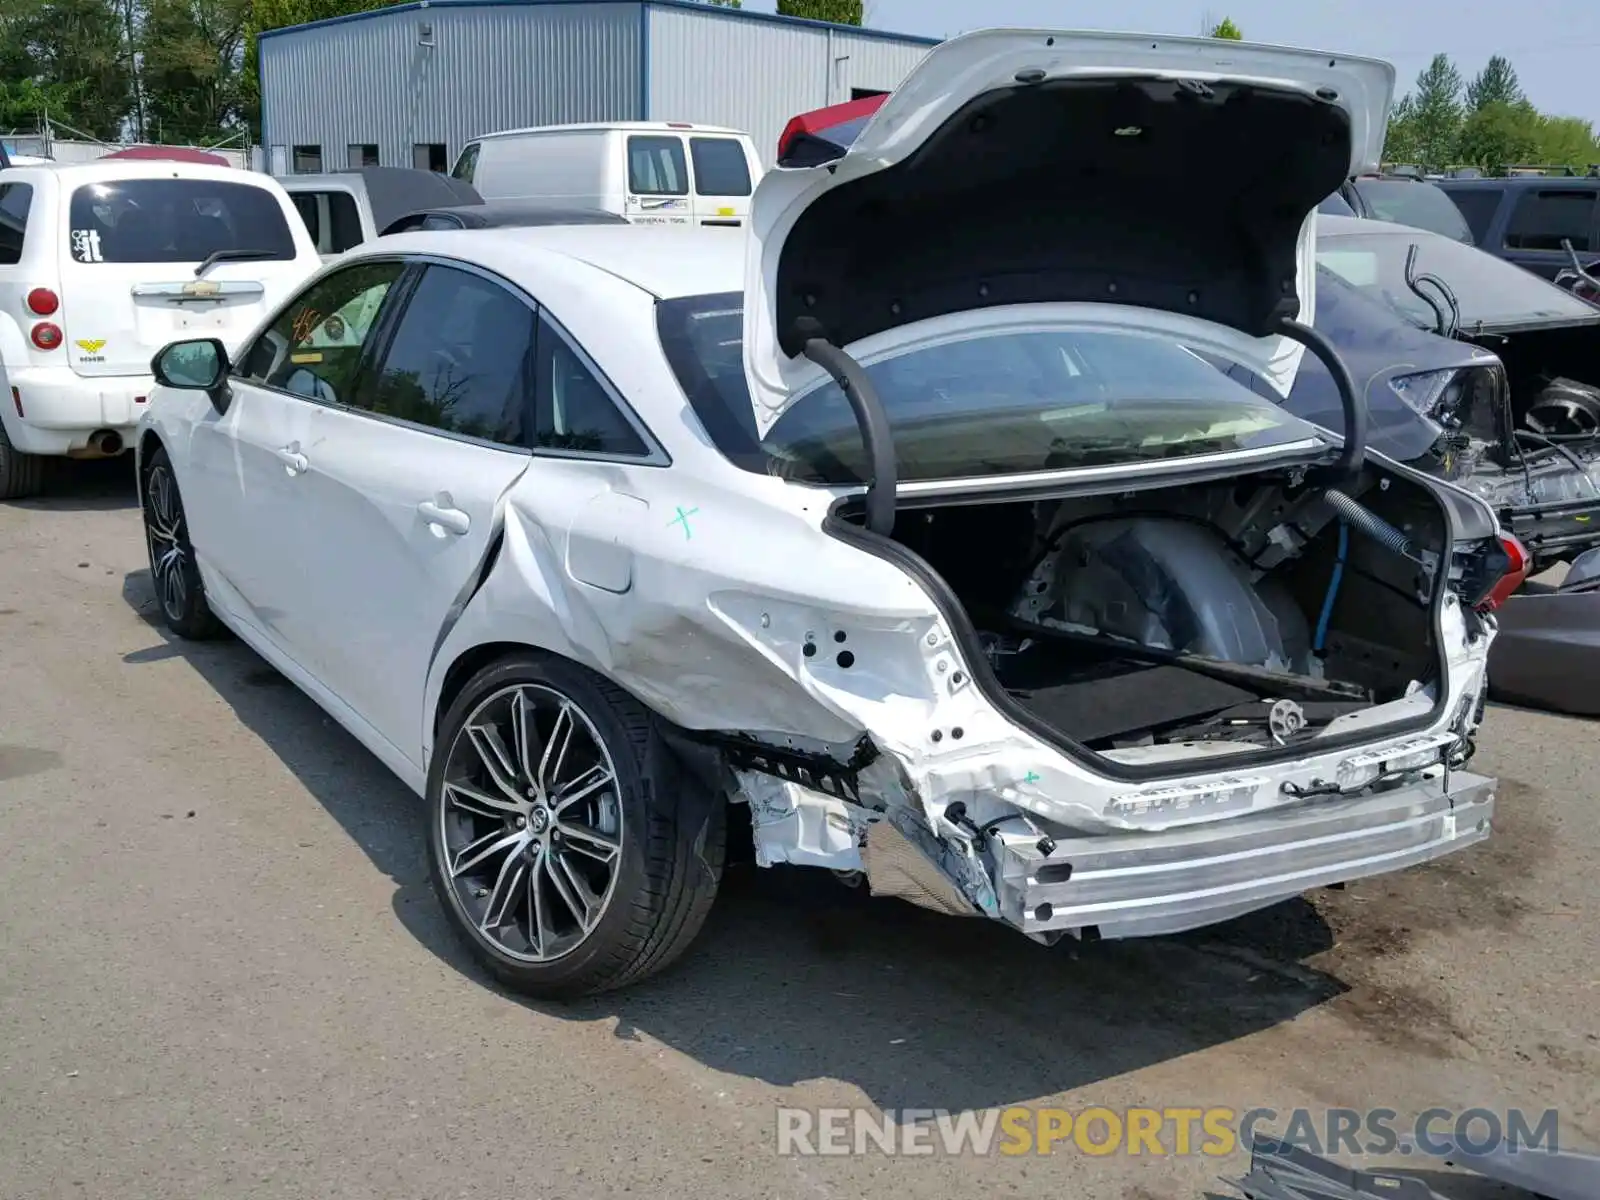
1362,518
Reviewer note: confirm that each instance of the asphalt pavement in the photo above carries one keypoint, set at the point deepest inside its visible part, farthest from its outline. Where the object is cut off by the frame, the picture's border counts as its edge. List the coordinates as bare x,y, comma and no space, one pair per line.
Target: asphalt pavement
222,972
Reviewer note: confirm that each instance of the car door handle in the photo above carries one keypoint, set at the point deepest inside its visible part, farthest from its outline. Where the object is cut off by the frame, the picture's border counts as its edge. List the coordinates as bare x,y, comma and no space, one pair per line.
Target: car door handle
452,520
291,458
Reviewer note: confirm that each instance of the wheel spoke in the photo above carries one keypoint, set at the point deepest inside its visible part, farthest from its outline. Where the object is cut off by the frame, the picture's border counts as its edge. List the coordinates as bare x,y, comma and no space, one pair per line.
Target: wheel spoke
591,781
560,739
503,896
581,839
470,799
484,849
496,761
538,928
175,589
524,734
573,889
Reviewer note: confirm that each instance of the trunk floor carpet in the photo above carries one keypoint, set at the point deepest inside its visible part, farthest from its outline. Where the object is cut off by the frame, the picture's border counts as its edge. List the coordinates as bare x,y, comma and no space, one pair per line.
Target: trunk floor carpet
1088,710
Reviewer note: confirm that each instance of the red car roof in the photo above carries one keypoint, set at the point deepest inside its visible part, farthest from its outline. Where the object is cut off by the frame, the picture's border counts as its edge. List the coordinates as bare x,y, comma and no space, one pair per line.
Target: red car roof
170,154
835,126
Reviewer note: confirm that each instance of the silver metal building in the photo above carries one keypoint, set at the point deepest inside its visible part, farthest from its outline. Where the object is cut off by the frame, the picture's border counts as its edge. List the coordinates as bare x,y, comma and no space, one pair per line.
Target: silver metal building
411,84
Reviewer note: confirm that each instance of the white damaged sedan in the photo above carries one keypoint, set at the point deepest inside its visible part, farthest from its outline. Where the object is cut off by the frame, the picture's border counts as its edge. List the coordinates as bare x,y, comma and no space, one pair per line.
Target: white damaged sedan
931,531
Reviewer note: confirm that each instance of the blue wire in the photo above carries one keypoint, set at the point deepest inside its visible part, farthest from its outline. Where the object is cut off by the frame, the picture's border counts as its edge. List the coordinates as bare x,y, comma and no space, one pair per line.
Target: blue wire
1333,589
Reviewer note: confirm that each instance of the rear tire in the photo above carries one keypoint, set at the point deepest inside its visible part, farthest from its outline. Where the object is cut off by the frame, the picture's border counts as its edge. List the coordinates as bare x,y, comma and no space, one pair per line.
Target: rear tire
173,572
21,475
569,849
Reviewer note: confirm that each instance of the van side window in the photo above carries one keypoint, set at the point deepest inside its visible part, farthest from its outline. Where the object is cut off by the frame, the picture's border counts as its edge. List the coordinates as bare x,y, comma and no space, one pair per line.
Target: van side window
467,165
656,166
575,410
15,200
720,167
331,219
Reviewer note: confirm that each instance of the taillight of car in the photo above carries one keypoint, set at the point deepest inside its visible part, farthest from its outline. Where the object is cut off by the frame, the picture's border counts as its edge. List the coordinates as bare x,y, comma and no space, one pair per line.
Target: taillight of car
42,302
1494,573
16,400
46,335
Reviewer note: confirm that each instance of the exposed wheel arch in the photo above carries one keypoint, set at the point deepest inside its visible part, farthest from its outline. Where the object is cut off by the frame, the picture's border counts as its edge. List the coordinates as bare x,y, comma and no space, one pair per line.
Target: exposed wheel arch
468,664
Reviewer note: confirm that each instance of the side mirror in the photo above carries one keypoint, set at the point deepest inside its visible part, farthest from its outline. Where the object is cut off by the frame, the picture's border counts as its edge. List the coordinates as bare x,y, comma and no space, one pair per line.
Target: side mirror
201,364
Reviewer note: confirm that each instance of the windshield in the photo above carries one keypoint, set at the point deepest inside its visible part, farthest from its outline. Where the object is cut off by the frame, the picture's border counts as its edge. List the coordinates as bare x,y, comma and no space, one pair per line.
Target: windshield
1490,291
996,403
1410,202
175,220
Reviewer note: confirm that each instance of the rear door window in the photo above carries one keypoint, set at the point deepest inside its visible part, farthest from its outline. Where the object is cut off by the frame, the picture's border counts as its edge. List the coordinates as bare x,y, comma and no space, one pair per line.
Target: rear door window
1543,218
175,221
15,201
657,167
577,411
720,166
460,360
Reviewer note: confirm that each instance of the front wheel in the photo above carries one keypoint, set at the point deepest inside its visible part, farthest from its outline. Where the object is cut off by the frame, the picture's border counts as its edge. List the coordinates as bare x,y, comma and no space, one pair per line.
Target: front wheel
173,571
570,852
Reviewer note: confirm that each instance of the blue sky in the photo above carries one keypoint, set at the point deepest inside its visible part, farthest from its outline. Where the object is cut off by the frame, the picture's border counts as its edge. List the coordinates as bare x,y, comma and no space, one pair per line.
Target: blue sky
1554,44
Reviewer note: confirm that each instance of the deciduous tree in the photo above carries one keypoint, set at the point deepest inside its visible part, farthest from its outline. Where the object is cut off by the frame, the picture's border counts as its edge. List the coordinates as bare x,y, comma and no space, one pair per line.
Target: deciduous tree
72,55
840,12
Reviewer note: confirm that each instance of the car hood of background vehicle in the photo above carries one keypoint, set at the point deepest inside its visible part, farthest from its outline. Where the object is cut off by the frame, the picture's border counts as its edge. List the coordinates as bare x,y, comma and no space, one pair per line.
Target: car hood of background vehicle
1179,175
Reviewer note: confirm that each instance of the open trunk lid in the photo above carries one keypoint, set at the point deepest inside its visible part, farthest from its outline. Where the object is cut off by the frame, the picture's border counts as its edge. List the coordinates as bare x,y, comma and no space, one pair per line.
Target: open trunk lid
1170,183
137,266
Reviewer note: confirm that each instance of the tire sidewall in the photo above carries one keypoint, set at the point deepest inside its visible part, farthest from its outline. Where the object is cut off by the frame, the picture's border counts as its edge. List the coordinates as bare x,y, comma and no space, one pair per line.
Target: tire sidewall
603,951
195,610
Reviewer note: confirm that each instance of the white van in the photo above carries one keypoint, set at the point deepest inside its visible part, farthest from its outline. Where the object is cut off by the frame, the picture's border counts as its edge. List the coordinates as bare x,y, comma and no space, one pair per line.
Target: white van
101,265
651,172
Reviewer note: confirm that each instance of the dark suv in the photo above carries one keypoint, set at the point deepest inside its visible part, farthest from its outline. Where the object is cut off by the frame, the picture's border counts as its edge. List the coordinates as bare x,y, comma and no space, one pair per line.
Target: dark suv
1525,219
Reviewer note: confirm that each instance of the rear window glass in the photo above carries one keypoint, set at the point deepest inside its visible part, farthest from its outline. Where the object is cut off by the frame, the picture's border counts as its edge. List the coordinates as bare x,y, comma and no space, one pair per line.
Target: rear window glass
995,403
175,220
1478,206
720,167
1420,205
656,167
331,219
15,200
1543,219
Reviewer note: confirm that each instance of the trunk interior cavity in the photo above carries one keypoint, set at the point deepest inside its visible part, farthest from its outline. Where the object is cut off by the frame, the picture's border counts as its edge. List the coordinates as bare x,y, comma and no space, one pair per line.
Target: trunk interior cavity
1230,616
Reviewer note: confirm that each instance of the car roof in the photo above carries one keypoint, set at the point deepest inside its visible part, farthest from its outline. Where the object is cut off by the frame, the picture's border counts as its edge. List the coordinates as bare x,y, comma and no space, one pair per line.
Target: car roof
143,168
625,126
1557,181
667,263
